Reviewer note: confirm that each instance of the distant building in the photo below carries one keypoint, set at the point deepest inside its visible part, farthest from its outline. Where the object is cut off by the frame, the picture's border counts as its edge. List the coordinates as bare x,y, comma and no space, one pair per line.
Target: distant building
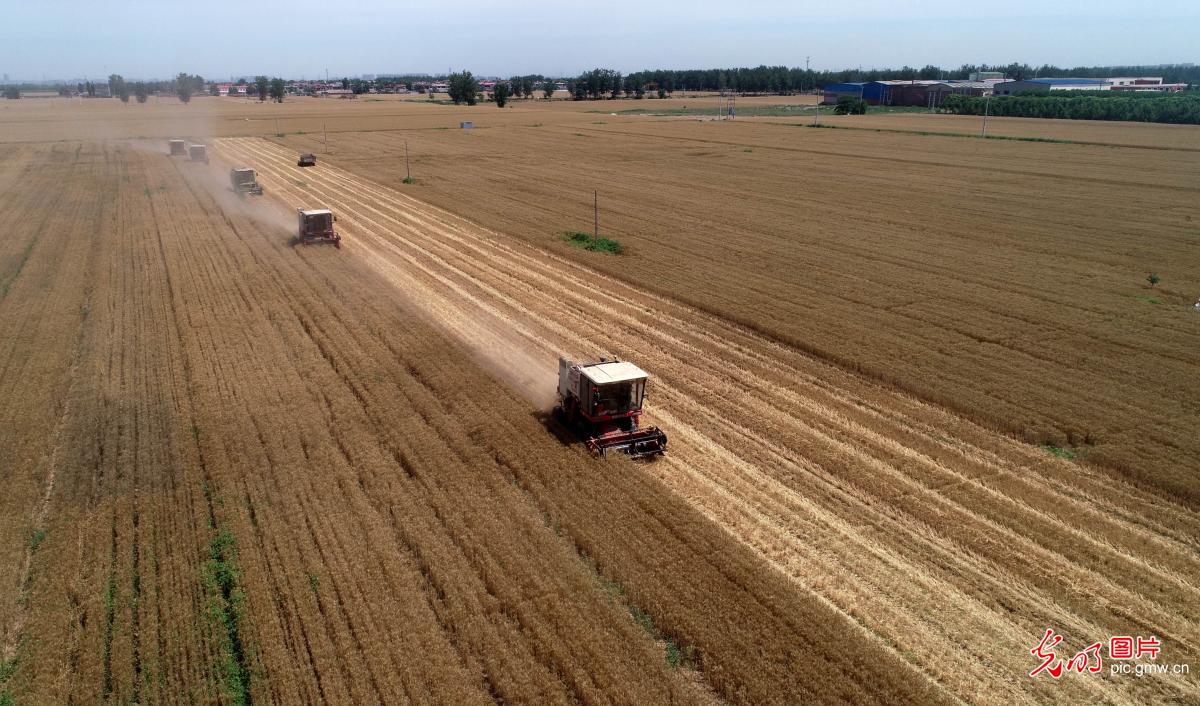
929,94
1144,83
831,93
908,93
986,76
1045,85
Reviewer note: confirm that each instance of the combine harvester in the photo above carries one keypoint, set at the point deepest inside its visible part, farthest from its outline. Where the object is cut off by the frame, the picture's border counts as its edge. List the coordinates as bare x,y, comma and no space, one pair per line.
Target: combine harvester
244,182
602,402
198,153
316,226
307,160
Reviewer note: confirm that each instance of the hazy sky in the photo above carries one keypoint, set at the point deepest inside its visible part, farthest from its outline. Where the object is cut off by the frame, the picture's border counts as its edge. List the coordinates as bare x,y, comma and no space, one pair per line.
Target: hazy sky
159,38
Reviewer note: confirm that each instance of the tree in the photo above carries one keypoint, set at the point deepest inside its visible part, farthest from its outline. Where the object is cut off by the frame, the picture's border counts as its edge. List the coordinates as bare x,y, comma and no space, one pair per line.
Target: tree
91,89
123,91
115,83
463,88
527,86
277,90
1153,278
12,93
345,84
140,90
548,88
183,87
633,87
500,93
260,85
214,89
850,105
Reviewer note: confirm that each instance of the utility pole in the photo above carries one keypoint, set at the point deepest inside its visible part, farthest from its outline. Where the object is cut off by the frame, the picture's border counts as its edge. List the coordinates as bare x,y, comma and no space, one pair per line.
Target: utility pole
595,214
325,136
806,72
987,105
407,171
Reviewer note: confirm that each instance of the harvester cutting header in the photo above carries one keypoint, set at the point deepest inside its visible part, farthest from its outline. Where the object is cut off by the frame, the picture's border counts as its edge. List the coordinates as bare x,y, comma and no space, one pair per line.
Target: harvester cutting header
603,402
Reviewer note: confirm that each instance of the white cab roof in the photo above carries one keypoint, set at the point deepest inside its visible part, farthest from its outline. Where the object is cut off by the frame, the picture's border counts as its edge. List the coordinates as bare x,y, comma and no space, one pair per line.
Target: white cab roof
316,212
616,371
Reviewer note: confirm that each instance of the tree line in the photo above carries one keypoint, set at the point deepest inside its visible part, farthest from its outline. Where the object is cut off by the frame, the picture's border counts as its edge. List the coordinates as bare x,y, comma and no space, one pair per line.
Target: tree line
784,80
183,86
1179,108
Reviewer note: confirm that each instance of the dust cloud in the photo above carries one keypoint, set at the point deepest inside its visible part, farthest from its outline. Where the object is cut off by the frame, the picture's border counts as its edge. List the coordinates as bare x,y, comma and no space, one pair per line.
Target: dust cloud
494,342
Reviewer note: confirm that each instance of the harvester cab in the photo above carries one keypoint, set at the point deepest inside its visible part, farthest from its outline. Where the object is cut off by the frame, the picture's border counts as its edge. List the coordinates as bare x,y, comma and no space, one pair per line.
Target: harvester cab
316,226
177,147
307,160
244,181
198,153
602,401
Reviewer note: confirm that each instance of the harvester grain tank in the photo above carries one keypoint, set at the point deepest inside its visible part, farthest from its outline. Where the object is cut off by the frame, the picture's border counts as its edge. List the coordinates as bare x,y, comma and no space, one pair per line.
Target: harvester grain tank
316,226
307,160
198,153
178,148
602,401
244,181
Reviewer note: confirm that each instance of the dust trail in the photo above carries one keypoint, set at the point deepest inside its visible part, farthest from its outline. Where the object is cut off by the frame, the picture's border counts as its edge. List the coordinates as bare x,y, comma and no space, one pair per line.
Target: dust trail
214,179
494,342
489,335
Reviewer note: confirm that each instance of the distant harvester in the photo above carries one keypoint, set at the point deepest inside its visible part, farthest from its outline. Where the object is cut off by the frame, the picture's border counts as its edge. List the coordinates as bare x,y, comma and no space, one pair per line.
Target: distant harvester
198,153
244,181
316,226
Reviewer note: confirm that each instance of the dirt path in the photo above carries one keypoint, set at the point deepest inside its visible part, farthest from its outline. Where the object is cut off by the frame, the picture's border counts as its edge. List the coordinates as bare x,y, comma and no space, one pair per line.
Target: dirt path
953,546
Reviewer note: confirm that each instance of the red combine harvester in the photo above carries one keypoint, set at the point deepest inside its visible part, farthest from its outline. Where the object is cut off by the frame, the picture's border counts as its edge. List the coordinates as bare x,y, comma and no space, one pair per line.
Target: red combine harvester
602,401
316,226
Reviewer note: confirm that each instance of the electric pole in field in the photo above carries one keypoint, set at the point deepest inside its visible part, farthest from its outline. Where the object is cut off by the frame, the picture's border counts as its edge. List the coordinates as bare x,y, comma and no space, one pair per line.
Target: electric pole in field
407,170
987,105
595,214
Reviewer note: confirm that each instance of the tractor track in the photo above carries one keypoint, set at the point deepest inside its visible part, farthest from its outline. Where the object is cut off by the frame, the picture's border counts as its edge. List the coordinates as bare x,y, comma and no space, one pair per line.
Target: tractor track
852,490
